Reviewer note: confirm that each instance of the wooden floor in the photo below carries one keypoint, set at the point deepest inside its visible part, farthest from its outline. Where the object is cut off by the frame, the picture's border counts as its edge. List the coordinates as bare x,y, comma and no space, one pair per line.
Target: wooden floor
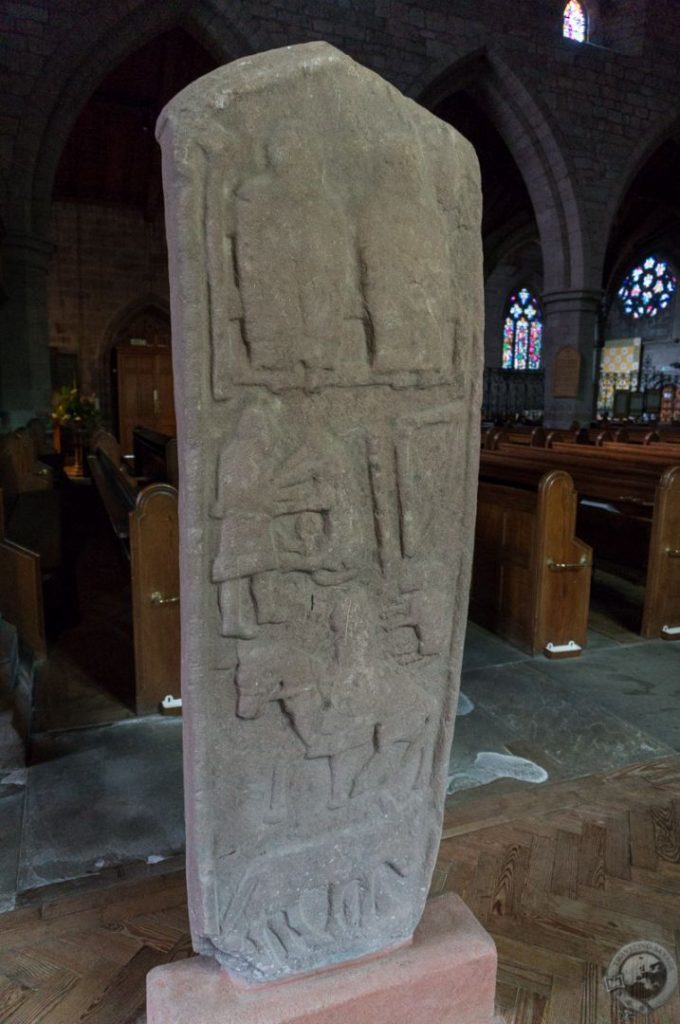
562,876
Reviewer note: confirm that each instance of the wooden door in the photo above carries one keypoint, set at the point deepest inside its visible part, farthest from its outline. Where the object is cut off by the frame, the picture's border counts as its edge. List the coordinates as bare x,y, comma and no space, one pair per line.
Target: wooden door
164,398
145,392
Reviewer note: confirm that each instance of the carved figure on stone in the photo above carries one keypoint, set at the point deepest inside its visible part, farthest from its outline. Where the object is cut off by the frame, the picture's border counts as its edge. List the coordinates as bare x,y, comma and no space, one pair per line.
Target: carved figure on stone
350,710
220,151
288,511
296,259
337,900
411,313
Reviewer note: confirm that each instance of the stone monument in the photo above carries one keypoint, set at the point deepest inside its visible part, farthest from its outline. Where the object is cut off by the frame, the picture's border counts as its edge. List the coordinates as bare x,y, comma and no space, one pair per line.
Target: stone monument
326,273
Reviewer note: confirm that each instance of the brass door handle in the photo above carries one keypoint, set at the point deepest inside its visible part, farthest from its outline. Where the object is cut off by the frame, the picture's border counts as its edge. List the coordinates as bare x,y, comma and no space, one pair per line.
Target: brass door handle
566,566
158,599
673,552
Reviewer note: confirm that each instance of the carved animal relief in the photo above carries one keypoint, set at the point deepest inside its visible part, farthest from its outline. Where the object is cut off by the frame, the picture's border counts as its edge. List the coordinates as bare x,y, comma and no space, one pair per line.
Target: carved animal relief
326,268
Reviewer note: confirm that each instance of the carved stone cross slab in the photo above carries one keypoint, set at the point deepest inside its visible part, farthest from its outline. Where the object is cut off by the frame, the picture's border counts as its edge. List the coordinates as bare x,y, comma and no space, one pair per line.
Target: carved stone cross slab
326,274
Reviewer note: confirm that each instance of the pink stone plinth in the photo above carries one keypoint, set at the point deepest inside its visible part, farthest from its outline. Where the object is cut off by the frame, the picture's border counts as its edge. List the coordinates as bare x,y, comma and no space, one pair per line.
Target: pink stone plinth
446,976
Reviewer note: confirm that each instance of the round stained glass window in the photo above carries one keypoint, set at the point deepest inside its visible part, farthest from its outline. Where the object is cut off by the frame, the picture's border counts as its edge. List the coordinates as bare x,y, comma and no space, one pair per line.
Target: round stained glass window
648,288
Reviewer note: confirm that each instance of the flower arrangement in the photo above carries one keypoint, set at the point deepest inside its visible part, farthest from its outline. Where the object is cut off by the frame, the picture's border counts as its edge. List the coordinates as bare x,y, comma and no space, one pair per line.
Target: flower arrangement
70,407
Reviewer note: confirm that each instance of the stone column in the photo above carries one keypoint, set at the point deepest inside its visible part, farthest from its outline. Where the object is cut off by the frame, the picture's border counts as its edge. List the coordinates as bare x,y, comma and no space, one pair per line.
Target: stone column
570,318
24,333
326,281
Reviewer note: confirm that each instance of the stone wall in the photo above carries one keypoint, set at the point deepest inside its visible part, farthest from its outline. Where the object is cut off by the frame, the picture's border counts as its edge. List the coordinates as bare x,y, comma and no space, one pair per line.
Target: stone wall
107,262
579,120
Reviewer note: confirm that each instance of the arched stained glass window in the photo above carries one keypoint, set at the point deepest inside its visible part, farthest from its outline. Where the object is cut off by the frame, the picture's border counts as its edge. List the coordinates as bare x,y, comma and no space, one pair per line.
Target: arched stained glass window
574,25
648,288
522,332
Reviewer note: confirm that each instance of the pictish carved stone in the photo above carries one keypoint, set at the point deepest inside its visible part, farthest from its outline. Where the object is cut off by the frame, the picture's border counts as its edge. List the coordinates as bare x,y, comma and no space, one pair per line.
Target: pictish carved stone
325,255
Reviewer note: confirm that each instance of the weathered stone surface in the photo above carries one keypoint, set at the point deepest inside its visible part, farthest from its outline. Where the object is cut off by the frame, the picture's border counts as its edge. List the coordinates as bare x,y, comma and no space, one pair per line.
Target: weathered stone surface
446,976
324,237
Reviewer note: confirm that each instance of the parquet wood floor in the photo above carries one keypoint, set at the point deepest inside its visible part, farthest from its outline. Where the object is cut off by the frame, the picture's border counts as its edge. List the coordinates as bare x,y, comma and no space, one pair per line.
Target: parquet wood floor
562,876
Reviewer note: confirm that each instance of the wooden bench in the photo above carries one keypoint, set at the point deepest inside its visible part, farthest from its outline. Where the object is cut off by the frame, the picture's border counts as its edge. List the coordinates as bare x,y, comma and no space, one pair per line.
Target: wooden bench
118,493
21,600
145,523
531,576
638,433
665,449
154,550
629,511
584,436
534,437
155,456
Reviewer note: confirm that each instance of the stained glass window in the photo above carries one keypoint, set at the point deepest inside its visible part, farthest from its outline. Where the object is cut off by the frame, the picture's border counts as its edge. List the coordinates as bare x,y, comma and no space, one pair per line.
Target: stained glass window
574,23
648,288
522,332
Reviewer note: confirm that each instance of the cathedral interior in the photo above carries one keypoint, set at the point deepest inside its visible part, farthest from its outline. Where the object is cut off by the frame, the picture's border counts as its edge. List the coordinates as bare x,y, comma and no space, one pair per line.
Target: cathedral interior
562,821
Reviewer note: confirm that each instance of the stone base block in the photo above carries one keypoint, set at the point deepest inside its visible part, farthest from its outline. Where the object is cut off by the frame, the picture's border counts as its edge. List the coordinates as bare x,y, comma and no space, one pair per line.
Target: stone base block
447,975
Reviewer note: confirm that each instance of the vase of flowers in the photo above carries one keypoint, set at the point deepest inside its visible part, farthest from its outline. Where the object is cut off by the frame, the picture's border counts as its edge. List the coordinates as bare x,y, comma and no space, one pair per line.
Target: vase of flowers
76,413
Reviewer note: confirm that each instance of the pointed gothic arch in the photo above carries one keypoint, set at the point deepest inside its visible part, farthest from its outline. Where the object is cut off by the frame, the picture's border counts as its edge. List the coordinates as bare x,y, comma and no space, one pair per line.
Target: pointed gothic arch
146,310
534,142
77,69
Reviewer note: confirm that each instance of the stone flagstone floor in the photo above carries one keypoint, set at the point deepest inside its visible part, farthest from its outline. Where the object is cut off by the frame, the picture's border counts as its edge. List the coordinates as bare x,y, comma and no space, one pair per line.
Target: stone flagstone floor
103,803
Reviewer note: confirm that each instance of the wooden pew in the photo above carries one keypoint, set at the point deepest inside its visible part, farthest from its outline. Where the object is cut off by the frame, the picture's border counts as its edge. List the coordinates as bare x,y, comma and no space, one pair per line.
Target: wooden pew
584,437
21,601
531,576
154,564
144,521
662,610
118,493
623,436
637,433
32,506
665,449
615,476
103,440
533,437
155,456
629,511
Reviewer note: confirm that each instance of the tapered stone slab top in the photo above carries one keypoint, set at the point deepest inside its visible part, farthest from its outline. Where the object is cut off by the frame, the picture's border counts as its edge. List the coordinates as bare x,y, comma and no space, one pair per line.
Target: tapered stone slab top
326,280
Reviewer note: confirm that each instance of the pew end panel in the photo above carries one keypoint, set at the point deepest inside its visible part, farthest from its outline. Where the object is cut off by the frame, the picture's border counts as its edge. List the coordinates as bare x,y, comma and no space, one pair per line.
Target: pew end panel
563,570
102,439
21,596
500,597
632,520
661,615
531,576
21,601
154,563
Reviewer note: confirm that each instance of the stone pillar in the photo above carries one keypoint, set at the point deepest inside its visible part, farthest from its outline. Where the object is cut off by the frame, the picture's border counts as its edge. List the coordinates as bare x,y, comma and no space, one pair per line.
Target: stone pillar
24,332
326,281
570,318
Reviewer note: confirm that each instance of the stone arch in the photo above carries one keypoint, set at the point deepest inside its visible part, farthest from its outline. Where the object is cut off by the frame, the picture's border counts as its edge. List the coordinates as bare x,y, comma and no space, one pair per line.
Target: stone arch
147,302
518,263
635,230
661,132
73,74
534,143
156,307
